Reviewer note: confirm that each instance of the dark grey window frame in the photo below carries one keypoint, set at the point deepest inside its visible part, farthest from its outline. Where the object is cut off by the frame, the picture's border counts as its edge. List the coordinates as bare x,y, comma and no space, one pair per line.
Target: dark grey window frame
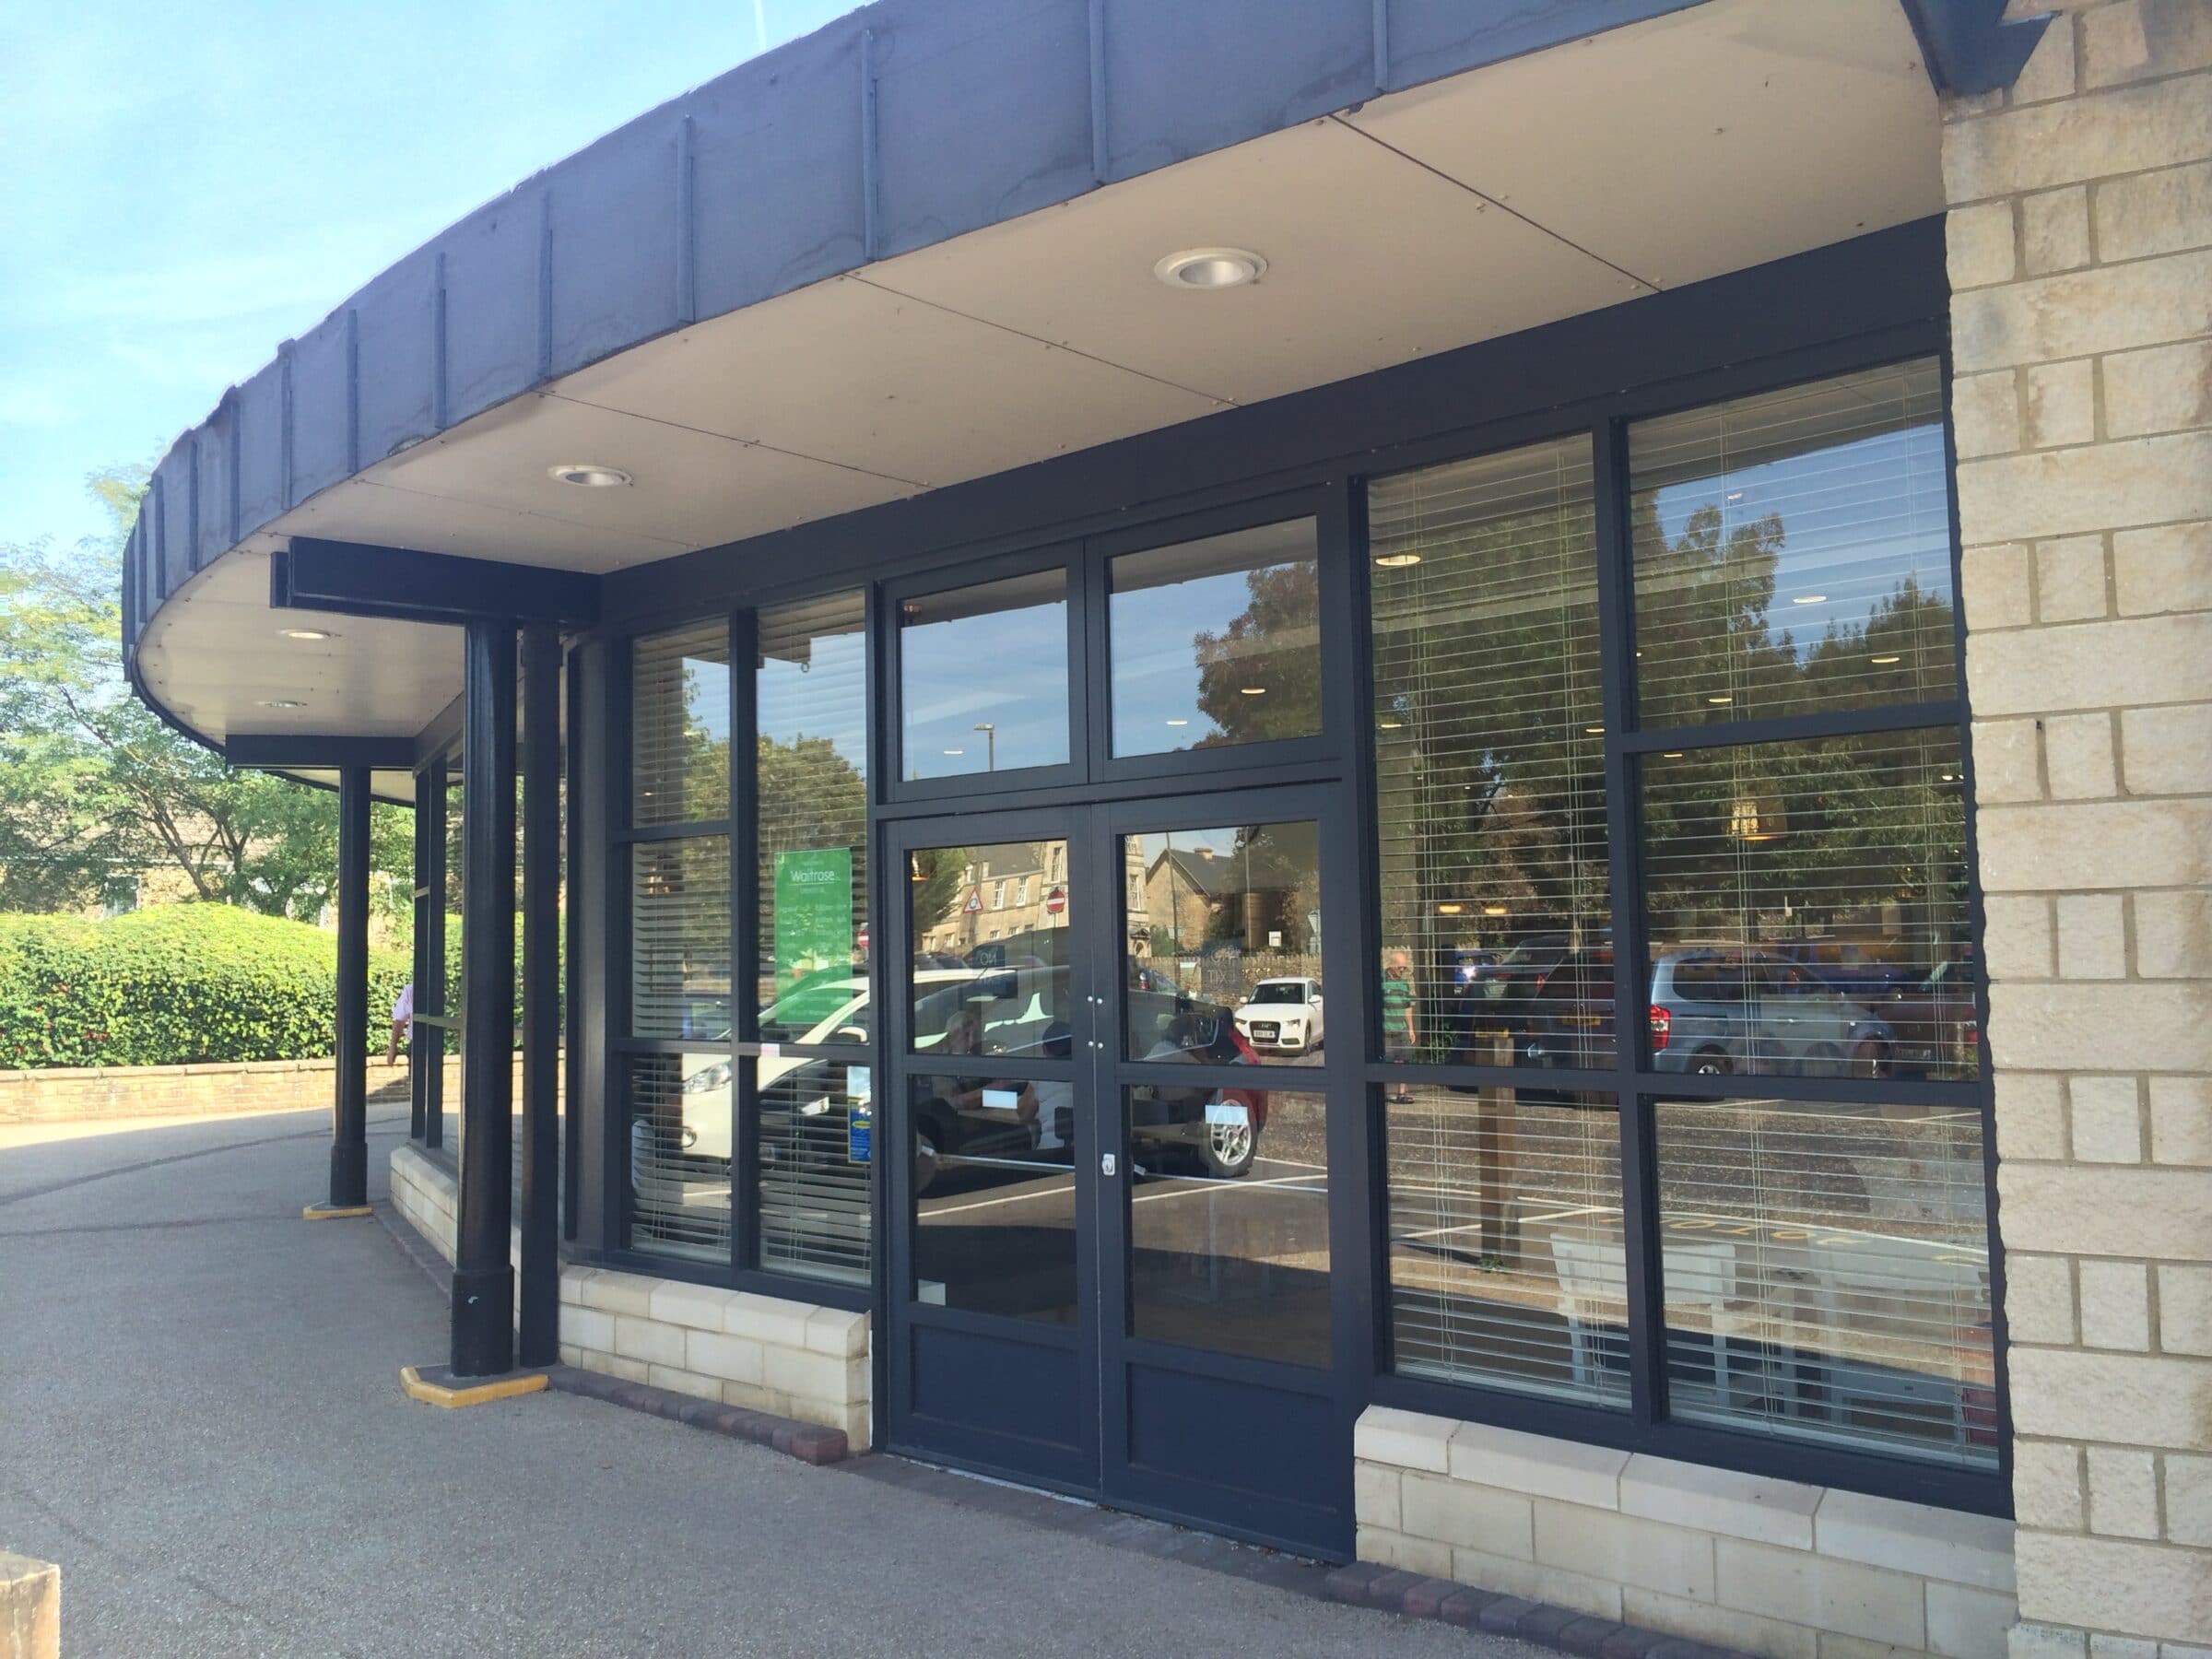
739,825
1631,1083
1878,300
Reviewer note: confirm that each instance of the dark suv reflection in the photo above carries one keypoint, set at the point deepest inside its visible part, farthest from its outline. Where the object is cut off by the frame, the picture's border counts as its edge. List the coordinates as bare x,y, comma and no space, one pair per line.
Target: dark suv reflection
1714,1011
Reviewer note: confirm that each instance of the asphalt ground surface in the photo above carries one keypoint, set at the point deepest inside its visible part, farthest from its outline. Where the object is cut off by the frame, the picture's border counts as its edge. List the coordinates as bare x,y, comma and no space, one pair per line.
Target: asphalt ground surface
201,1421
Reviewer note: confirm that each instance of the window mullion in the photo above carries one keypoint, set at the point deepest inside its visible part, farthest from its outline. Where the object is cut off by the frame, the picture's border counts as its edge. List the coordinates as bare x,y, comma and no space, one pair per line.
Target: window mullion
1639,1159
745,933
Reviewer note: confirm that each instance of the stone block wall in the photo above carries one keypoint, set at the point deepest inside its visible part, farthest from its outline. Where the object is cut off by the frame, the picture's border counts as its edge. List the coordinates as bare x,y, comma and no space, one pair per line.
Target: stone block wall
766,1353
2080,251
1738,1560
792,1358
63,1093
422,1192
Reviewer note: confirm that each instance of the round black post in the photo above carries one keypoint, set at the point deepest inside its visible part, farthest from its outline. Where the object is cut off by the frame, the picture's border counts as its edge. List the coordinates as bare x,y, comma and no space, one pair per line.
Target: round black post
418,1074
541,995
483,1274
350,1120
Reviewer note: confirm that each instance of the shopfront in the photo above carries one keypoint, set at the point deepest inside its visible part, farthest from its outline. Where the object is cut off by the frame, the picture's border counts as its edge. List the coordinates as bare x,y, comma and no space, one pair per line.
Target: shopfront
1347,906
1257,850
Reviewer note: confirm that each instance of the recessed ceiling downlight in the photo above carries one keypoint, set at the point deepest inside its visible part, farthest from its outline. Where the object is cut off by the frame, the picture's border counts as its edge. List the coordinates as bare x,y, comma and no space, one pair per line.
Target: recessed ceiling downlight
589,475
1210,268
307,633
282,702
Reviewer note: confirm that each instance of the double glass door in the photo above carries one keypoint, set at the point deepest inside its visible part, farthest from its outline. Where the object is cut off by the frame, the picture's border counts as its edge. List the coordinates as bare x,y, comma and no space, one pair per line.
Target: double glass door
1108,1132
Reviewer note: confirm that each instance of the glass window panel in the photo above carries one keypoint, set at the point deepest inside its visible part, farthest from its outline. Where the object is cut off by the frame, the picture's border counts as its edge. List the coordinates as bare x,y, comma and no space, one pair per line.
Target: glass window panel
679,726
812,813
1229,1221
983,677
1507,1261
448,1089
1217,641
1490,749
1828,1272
1792,551
994,1198
989,988
1214,915
679,938
816,1143
1810,909
678,1108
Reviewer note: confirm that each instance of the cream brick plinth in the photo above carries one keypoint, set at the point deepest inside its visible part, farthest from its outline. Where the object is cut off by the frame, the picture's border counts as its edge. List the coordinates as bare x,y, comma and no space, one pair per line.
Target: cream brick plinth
1769,1565
792,1358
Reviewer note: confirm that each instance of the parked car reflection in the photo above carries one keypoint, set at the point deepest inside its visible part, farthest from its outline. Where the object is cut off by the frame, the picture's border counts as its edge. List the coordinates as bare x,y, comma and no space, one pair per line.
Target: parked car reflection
1714,1011
966,1115
1283,1015
1936,1028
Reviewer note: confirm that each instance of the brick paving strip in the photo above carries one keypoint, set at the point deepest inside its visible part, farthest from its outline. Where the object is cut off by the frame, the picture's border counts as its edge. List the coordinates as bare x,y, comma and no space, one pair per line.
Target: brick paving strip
1362,1583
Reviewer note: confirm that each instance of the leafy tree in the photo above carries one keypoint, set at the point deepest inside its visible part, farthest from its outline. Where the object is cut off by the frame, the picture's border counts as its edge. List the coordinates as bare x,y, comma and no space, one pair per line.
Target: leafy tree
94,783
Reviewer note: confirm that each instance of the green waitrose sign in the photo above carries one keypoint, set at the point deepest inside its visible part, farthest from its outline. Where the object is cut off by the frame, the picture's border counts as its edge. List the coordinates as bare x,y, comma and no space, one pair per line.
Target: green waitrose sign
814,912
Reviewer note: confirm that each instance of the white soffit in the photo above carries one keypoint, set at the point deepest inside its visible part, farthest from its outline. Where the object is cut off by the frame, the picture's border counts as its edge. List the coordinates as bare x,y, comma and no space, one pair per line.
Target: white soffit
1698,143
908,389
1373,260
218,653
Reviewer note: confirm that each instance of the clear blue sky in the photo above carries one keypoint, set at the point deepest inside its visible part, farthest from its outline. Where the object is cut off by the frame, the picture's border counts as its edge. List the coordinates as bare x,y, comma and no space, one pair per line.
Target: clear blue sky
182,186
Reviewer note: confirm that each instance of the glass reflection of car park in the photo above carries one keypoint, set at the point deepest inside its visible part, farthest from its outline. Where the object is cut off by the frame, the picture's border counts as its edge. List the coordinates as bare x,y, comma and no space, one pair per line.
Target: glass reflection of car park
1934,1022
1713,1012
967,1118
1466,965
1283,1015
1013,1011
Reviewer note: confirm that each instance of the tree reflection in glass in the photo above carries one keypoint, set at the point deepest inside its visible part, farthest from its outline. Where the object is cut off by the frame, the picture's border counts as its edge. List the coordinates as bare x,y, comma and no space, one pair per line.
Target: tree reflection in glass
1490,745
1792,551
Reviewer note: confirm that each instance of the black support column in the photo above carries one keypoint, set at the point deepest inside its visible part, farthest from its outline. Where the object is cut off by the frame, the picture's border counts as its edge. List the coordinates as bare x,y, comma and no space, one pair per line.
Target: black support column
541,994
483,1322
349,1123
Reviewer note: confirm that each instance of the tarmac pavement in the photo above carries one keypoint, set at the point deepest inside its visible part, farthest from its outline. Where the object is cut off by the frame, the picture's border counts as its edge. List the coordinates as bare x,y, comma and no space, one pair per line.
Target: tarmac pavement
201,1421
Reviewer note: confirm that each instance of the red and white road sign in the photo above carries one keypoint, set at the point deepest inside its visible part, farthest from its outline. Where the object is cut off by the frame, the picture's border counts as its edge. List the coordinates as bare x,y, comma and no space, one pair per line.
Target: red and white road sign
1055,902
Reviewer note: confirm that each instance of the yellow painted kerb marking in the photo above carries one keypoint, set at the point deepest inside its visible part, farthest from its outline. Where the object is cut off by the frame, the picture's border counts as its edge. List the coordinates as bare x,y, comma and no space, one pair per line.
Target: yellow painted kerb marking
472,1393
331,1212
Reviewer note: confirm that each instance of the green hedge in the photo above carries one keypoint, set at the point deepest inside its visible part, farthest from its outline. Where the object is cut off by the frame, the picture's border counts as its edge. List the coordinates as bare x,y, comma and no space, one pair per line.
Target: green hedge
174,984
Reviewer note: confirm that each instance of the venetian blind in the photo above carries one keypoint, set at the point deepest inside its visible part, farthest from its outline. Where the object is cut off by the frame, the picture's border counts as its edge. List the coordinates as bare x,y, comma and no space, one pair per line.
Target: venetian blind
1793,550
812,759
1507,1261
679,938
817,1141
1489,751
1828,878
1827,1272
679,1156
679,726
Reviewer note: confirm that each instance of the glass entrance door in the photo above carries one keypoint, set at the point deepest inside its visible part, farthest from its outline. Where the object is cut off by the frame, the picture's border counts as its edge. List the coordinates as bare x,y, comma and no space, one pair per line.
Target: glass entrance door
1111,1193
993,1259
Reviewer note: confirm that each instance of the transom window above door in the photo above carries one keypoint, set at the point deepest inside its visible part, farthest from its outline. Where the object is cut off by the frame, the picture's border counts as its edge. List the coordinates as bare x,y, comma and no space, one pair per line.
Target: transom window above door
983,677
1165,651
1215,641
